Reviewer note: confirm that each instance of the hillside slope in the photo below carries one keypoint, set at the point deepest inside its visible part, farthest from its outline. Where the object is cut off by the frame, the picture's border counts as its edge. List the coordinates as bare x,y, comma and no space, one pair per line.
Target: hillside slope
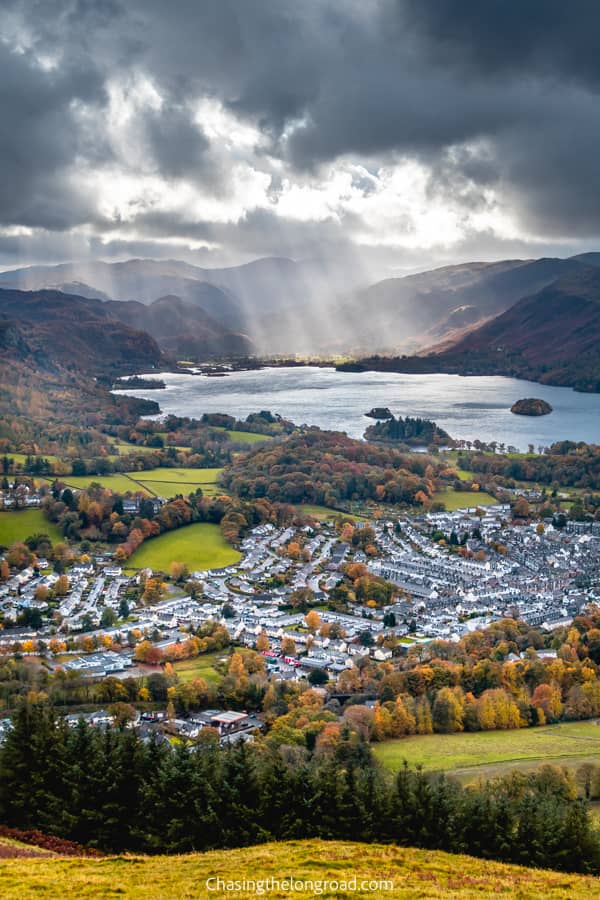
415,873
552,336
182,328
52,330
412,312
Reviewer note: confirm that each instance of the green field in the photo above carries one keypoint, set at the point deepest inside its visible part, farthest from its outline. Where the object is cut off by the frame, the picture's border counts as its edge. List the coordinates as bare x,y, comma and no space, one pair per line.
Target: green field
123,447
162,481
170,489
184,476
21,457
199,546
169,482
462,499
464,475
456,752
410,874
120,483
201,667
16,525
247,437
323,512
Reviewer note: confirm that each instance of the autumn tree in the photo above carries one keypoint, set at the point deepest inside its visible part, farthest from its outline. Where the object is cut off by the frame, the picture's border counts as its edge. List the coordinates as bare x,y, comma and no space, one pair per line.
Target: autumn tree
313,621
179,572
153,590
448,711
262,641
62,585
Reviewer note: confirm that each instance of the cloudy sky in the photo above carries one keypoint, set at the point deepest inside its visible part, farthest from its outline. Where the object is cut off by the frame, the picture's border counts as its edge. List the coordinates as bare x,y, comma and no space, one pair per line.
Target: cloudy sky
403,132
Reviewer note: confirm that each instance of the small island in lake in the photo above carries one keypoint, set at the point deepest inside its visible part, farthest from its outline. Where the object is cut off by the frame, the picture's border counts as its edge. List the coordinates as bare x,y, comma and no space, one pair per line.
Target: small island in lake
379,412
139,382
420,432
531,406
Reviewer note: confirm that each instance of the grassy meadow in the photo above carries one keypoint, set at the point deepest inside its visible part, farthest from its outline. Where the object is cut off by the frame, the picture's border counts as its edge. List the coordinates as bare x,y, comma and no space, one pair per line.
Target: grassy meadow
494,750
400,873
120,483
163,482
19,524
170,482
199,546
247,437
202,666
463,499
323,513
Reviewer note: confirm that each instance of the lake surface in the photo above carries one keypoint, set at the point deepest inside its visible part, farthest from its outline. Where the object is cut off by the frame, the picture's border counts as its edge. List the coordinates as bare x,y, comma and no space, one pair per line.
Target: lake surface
468,408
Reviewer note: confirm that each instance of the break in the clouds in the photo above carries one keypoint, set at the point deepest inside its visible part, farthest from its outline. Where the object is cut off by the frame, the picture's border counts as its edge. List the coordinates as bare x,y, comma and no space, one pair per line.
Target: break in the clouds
397,131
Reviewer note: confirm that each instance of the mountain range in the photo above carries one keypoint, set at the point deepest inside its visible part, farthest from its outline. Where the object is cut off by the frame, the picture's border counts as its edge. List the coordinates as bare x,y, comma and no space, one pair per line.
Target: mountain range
532,318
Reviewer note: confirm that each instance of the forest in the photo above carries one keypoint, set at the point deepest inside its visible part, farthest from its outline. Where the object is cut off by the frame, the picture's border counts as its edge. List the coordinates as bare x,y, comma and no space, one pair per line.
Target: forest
416,431
324,468
563,464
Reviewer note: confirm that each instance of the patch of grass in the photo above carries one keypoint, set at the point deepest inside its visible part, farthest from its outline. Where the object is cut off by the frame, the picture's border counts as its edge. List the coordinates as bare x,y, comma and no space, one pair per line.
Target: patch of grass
324,512
184,476
199,546
124,448
464,475
414,873
170,489
243,437
17,525
153,481
22,457
454,752
120,483
202,666
462,499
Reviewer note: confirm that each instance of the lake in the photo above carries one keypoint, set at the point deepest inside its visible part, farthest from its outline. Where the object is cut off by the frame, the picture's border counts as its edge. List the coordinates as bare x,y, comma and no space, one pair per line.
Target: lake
467,408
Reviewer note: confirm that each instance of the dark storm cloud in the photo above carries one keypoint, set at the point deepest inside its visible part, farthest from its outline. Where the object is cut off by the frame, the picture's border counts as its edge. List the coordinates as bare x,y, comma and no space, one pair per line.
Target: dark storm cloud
40,138
545,36
178,146
487,95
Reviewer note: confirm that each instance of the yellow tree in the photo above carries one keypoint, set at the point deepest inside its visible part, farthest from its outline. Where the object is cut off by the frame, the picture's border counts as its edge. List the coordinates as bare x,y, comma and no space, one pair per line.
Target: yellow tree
313,621
288,646
62,586
262,641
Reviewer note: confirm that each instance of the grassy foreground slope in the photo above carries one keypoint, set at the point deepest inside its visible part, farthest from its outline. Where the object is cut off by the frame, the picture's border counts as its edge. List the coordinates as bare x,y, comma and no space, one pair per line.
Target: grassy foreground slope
414,873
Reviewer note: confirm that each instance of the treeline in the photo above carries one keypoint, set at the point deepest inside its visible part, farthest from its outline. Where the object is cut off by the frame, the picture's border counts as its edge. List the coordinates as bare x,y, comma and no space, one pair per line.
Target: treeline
243,685
115,792
564,464
175,441
263,422
97,515
489,680
322,467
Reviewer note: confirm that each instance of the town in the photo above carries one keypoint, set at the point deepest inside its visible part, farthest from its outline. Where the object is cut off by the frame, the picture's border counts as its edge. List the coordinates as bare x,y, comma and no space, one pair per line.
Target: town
536,572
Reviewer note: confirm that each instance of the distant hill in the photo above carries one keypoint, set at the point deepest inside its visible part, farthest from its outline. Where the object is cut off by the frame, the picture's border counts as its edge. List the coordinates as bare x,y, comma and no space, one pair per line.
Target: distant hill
279,305
414,873
415,311
276,301
59,354
552,336
183,328
53,331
